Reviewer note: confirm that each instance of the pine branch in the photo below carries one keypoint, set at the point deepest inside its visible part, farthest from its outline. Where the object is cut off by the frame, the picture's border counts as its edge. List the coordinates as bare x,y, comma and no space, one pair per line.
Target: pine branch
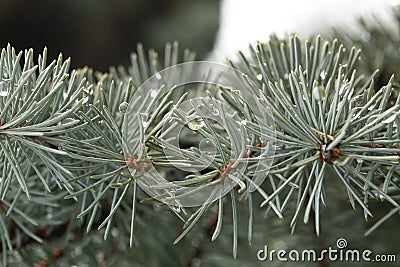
326,115
63,136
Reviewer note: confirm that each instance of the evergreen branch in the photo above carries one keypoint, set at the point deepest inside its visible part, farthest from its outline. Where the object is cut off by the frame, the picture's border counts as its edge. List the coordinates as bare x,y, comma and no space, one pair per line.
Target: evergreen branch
318,102
62,137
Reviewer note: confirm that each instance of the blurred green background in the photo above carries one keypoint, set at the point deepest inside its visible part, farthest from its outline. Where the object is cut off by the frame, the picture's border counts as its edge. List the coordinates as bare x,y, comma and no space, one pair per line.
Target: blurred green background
101,33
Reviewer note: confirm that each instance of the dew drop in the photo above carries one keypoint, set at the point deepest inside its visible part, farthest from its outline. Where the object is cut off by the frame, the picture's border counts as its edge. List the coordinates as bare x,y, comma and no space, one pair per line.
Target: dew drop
176,208
323,75
144,119
158,76
381,197
196,123
3,89
215,111
153,93
123,107
319,92
145,124
85,100
259,77
3,93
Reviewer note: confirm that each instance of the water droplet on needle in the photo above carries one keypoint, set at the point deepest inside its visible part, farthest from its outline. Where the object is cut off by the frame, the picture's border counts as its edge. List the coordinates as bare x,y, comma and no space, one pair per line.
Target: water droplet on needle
153,93
144,118
123,107
3,89
196,123
215,111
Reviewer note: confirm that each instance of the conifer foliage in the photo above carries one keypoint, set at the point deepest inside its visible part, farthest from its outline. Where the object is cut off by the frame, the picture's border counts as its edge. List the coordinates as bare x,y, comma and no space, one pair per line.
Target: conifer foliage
65,178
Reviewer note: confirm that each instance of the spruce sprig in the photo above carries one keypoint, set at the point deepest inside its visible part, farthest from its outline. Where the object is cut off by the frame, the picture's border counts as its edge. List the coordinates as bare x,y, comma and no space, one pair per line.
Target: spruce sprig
327,117
61,136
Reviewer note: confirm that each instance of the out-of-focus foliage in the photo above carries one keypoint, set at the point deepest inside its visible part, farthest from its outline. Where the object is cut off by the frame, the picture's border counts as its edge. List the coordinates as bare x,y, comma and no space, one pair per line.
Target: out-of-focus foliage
100,34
